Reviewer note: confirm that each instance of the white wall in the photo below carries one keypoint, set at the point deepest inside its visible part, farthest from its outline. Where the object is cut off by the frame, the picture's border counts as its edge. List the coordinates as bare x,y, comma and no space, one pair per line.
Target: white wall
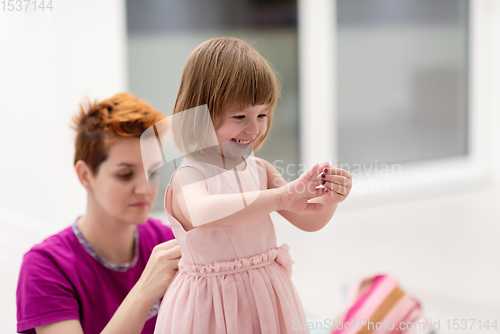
494,88
49,61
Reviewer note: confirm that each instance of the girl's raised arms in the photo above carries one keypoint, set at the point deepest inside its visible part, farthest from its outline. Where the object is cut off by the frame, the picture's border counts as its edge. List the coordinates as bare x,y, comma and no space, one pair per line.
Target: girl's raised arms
193,206
337,183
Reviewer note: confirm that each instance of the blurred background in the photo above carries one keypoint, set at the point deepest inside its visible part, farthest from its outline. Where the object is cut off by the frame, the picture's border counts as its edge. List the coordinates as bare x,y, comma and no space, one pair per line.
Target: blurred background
402,93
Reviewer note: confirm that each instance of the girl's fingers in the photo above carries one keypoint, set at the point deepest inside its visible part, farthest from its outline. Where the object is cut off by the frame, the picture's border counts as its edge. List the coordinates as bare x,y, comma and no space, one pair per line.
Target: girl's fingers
309,174
340,180
320,192
337,197
323,166
335,188
336,171
314,207
315,171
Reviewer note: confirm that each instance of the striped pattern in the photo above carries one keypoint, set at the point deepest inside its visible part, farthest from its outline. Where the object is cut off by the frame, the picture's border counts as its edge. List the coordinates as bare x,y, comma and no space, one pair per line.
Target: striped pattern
379,306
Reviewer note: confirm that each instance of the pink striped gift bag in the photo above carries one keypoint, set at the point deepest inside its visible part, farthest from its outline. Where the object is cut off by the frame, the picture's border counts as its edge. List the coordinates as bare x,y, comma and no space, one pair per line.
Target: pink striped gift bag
377,305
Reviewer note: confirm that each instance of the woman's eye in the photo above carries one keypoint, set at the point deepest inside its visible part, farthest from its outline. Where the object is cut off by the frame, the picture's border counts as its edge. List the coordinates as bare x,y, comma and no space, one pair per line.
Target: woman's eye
125,176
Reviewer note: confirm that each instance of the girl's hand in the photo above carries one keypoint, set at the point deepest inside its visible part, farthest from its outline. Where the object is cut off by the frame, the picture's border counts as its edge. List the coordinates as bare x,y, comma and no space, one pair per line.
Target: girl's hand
295,195
337,182
159,272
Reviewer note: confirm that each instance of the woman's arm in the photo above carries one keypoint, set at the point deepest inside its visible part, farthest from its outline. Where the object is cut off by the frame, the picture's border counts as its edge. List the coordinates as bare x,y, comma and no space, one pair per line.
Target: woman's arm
132,313
61,327
312,221
129,318
201,208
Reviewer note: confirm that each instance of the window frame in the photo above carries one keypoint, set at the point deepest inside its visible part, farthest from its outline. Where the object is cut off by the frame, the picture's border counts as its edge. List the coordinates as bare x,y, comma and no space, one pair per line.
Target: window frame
319,113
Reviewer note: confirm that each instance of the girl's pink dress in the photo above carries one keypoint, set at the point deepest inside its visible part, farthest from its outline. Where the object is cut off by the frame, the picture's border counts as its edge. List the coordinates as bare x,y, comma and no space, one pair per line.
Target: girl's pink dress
231,279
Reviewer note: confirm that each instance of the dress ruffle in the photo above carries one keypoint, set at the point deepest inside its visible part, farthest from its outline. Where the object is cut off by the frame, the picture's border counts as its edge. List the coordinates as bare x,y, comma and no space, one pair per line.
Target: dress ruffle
232,297
280,255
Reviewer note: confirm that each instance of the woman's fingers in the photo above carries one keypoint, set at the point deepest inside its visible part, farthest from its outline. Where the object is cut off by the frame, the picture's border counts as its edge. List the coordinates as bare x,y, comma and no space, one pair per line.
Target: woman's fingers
173,253
169,250
167,244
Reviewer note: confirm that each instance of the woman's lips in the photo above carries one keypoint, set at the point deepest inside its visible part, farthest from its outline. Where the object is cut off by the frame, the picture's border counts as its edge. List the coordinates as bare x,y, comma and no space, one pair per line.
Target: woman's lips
139,205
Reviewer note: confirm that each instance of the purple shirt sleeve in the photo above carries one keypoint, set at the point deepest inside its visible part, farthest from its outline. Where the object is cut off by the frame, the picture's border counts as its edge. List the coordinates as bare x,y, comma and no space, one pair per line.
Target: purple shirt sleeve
61,280
44,293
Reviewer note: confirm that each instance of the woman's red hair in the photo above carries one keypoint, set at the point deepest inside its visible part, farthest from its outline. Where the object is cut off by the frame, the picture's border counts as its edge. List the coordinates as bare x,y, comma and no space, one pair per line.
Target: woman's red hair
99,125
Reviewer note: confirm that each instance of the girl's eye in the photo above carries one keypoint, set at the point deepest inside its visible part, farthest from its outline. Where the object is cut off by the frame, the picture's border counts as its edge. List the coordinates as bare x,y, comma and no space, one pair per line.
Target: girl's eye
263,115
239,117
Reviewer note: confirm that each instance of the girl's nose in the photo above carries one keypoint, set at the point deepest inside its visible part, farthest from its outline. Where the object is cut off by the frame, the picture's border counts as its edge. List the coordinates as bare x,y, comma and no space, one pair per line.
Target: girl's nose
252,128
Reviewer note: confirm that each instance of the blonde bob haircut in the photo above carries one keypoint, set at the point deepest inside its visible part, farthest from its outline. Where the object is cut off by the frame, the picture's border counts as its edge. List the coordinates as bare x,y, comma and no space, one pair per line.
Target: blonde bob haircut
224,73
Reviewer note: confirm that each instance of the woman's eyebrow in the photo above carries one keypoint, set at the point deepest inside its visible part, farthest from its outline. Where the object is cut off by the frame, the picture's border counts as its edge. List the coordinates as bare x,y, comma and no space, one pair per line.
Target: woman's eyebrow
152,167
126,164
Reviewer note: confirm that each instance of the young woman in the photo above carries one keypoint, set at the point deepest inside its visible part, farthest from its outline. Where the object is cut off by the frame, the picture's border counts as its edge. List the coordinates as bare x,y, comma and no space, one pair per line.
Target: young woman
107,272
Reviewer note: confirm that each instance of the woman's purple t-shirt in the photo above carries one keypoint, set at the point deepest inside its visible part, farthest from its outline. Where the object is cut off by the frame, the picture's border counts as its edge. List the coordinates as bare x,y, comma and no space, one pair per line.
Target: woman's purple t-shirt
62,279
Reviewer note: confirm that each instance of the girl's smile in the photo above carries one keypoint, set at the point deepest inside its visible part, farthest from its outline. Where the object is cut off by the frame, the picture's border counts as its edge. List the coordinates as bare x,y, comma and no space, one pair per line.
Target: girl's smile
244,126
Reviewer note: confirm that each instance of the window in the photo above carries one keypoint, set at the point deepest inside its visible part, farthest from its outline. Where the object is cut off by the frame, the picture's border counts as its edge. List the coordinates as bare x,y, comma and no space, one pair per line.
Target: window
402,80
162,34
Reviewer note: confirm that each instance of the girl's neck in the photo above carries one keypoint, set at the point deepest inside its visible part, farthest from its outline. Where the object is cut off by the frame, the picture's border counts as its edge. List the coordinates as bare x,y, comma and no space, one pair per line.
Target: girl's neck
112,240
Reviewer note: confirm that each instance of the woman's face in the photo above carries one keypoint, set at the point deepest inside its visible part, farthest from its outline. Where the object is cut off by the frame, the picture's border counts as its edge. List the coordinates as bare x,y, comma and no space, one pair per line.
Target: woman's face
243,127
120,188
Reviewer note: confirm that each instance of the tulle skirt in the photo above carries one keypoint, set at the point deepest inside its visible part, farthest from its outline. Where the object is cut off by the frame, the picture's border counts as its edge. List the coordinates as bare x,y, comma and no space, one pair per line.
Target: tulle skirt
250,295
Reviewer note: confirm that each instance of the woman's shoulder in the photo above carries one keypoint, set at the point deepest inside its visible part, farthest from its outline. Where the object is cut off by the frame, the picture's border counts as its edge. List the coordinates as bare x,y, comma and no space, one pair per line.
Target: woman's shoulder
50,262
53,247
48,281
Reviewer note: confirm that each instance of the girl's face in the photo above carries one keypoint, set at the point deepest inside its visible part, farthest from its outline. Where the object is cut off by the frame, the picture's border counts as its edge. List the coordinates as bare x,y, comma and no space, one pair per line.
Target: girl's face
120,190
243,127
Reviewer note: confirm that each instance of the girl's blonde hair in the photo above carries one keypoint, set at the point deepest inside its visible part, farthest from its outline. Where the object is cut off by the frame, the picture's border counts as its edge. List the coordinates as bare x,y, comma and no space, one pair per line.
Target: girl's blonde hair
223,73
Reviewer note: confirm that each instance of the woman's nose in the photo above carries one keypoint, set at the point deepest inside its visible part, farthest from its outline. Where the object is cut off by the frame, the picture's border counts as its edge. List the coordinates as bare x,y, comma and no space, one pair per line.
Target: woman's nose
143,187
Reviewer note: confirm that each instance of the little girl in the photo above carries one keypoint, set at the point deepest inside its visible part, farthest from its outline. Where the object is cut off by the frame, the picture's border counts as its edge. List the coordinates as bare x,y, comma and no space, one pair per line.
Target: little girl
232,277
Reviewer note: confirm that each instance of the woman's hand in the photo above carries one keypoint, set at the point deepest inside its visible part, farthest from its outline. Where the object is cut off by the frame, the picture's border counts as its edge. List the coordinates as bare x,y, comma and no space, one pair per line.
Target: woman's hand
295,195
160,270
151,286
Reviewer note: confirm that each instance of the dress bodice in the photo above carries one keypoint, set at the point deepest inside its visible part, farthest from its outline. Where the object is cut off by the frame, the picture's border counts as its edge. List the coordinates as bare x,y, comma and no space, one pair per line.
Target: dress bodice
206,245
